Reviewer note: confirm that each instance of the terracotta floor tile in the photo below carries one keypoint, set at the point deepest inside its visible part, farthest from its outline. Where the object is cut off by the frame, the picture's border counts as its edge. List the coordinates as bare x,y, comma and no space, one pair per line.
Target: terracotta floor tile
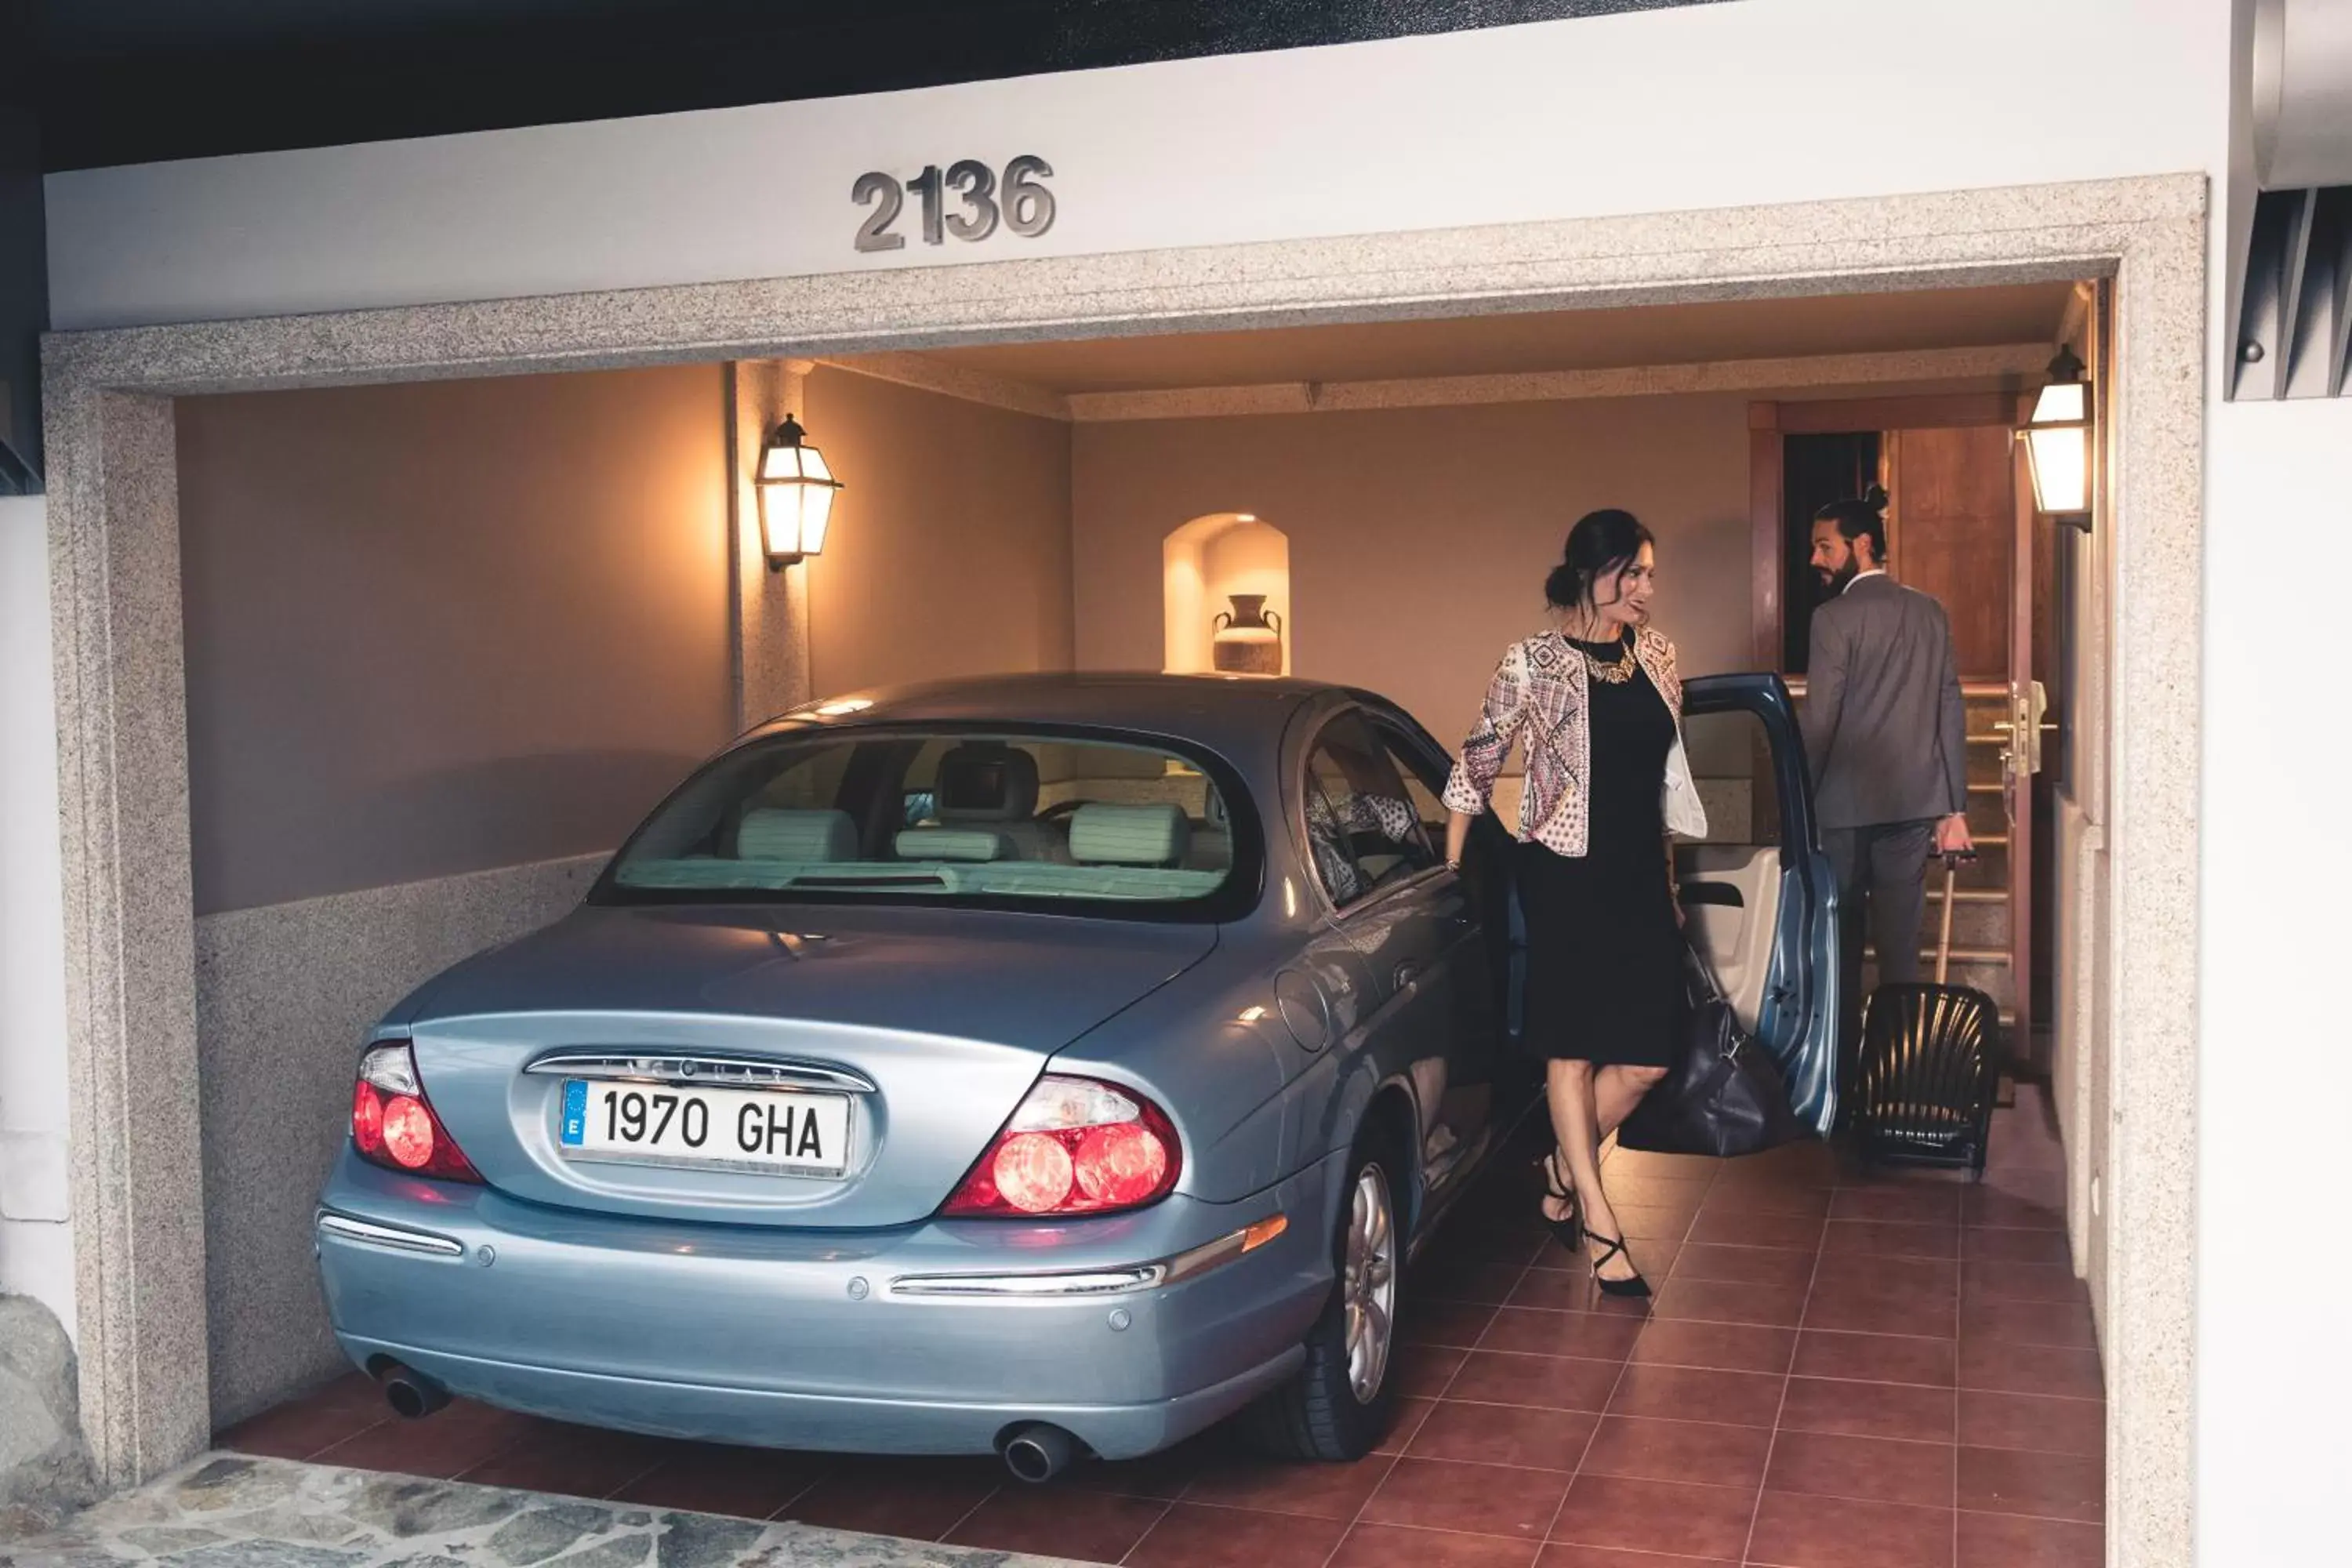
440,1447
1928,1360
1650,1255
2031,1323
1596,1336
1166,1474
1897,1204
2045,1486
712,1477
1868,1410
1504,1435
1791,1231
1767,1198
1558,1555
918,1498
1745,1265
1455,1323
1718,1347
1478,1499
1397,1546
589,1462
1455,1252
1890,1238
1711,1301
1999,1541
1093,1526
1793,1531
1640,1449
1873,1469
1550,1382
2008,1211
1192,1536
301,1427
2000,1366
2033,1423
1695,1393
1672,1518
1320,1491
1993,1280
2016,1246
1851,1309
1409,1414
1491,1283
1424,1371
1573,1289
1919,1279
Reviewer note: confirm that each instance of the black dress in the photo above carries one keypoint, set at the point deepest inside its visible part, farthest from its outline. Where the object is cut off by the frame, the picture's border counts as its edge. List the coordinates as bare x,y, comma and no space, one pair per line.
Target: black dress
1604,978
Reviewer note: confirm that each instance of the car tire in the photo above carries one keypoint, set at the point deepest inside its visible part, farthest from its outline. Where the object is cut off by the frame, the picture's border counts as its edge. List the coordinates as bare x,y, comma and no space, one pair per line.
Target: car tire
1339,1404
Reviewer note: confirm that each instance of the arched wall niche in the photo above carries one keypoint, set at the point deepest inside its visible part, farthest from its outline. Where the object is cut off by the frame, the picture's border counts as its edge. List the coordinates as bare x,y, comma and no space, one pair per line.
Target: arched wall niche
1204,564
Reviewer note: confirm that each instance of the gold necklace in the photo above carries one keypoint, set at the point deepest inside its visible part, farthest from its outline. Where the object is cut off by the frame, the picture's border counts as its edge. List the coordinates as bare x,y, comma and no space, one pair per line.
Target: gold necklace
1616,672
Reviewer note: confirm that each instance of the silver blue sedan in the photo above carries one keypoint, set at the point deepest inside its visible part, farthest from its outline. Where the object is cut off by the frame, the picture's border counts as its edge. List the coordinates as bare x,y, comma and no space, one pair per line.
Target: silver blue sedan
1044,1065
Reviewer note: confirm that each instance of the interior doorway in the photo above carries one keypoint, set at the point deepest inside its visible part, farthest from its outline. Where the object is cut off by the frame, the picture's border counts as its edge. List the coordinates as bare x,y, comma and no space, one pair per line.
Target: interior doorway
1961,527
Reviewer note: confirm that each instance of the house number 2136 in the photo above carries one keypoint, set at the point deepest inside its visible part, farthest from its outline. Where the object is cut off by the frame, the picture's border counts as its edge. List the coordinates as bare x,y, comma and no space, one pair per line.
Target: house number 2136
966,202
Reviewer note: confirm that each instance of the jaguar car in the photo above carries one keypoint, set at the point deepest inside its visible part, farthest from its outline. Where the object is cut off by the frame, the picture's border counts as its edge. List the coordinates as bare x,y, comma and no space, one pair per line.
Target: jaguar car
1047,1066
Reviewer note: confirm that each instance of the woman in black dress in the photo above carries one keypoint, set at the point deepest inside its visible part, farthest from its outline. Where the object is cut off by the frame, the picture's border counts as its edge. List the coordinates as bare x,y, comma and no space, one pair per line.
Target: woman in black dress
1596,705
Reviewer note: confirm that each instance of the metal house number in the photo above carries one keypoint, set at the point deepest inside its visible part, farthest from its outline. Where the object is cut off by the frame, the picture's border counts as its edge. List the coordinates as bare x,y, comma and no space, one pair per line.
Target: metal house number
1023,203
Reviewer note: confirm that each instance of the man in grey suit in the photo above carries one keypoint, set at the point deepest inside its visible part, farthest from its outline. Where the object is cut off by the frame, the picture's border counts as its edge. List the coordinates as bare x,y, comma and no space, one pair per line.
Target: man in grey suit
1886,738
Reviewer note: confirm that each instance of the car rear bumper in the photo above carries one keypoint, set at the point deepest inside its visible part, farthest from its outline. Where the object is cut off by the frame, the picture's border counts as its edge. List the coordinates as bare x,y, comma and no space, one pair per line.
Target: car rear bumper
814,1339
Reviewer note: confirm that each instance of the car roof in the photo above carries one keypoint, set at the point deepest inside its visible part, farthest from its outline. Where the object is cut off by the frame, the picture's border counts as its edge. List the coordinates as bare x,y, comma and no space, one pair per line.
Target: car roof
1228,714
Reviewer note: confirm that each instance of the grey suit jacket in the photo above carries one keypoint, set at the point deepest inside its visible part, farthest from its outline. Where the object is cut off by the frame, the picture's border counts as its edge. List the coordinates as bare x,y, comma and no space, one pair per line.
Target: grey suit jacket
1885,729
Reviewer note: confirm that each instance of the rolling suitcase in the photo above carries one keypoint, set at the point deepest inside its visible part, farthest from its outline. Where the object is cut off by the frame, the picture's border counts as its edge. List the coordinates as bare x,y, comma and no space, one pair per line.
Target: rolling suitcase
1930,1066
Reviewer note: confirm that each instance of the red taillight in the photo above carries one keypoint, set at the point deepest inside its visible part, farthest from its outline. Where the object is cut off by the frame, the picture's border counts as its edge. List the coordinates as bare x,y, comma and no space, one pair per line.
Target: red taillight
1074,1147
393,1124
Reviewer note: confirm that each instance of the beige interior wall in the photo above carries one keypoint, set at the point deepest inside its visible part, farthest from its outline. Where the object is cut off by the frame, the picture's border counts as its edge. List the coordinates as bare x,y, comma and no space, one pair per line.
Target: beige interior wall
949,550
1420,539
441,627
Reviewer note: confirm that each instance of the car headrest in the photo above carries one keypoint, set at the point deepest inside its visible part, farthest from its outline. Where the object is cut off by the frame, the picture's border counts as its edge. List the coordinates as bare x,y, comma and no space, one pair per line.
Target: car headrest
987,783
768,833
1105,835
952,843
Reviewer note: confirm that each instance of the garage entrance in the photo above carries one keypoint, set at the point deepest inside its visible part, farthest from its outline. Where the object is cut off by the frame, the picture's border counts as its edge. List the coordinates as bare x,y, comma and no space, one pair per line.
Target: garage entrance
1496,457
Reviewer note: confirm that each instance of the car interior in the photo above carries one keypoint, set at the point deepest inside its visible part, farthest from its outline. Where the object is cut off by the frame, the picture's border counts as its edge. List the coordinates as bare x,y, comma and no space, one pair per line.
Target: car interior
978,814
1731,881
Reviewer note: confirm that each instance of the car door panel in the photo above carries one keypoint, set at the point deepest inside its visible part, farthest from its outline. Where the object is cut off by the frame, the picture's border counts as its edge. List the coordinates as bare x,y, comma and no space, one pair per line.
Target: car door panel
1760,899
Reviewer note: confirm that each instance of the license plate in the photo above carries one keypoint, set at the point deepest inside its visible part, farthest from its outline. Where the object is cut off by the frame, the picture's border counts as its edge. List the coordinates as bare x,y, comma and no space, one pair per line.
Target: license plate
758,1129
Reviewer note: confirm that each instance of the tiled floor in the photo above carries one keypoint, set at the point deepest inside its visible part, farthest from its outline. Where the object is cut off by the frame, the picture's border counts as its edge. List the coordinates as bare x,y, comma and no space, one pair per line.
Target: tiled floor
1839,1371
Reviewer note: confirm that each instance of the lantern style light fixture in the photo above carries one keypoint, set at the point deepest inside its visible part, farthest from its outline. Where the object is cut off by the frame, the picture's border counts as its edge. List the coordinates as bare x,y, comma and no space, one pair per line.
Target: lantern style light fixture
796,491
2058,444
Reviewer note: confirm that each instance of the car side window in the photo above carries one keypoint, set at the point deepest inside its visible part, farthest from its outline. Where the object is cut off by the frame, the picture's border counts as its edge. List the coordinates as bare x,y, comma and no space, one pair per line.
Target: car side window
1425,792
1364,828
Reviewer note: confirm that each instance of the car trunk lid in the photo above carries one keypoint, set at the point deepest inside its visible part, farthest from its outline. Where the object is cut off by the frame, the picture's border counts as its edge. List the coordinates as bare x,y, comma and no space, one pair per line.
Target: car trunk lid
914,1033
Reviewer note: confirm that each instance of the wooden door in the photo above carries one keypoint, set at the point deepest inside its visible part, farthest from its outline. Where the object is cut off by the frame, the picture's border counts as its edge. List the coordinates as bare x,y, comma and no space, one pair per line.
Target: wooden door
1951,517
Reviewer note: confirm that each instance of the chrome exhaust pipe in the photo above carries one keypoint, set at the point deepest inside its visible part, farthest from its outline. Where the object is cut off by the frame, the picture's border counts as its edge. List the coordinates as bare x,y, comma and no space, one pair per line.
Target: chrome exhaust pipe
412,1395
1036,1452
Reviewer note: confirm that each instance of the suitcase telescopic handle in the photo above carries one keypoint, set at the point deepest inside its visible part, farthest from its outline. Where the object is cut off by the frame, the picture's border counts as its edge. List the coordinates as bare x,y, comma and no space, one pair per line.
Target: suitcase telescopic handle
1952,859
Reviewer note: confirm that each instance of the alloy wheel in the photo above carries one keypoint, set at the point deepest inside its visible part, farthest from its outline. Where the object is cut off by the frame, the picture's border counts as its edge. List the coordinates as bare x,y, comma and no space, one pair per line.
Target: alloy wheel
1371,1284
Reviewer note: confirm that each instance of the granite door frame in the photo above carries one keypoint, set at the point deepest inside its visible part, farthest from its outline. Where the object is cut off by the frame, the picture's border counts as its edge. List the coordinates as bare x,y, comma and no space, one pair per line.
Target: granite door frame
137,1195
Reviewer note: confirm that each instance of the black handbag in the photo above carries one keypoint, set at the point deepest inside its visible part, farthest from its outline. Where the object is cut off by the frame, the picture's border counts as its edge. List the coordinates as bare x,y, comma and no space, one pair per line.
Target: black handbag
1723,1096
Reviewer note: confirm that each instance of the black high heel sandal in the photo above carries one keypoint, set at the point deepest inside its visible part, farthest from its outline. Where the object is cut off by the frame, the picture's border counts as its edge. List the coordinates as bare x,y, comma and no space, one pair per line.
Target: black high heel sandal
1636,1286
1569,1228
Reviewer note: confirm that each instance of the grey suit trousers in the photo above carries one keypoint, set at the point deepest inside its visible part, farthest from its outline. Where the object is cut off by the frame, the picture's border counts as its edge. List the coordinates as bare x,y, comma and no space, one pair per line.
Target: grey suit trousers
1882,869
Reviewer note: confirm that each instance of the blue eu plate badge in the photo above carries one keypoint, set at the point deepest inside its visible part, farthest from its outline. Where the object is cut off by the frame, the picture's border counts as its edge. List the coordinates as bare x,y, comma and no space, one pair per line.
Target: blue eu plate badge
576,1112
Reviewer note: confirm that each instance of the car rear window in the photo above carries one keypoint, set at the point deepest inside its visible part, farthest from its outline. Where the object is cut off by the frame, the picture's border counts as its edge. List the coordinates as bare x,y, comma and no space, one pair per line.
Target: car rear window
1000,818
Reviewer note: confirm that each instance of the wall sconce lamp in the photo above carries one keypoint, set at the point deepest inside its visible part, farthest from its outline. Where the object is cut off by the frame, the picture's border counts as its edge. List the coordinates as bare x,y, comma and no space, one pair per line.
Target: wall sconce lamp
796,491
2058,444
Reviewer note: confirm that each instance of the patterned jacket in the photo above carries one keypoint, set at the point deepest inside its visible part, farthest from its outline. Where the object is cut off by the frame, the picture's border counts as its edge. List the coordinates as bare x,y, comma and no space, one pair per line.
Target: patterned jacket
1541,696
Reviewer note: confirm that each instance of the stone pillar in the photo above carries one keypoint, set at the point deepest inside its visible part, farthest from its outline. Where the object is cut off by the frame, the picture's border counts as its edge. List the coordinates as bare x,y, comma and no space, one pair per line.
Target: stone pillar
771,609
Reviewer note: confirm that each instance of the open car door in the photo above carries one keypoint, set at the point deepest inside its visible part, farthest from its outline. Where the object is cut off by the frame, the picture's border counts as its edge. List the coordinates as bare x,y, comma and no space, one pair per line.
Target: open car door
1759,898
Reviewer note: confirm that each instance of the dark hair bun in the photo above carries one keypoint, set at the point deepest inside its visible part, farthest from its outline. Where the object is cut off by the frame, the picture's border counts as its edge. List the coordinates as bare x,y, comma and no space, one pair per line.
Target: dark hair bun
1874,496
1601,543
